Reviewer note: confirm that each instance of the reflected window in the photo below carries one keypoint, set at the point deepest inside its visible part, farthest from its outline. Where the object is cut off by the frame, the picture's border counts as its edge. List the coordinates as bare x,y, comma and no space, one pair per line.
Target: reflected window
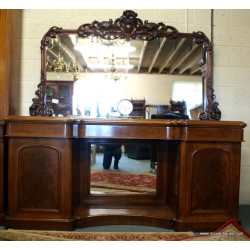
190,92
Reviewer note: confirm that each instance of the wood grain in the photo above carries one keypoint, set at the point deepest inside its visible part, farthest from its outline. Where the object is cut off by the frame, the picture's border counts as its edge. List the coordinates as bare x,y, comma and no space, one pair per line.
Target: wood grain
49,173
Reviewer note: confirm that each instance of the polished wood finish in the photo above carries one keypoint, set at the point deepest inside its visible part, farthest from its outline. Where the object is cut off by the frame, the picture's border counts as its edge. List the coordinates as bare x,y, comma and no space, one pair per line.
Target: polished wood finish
160,216
5,59
199,161
49,173
40,172
130,27
209,174
2,175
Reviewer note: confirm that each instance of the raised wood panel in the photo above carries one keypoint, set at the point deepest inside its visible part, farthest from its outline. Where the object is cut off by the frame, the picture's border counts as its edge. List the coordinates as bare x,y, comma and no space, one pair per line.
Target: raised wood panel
209,174
213,166
39,177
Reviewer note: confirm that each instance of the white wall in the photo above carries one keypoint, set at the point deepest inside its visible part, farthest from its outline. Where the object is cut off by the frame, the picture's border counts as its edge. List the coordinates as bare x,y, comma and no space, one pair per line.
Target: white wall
231,61
231,79
34,24
154,88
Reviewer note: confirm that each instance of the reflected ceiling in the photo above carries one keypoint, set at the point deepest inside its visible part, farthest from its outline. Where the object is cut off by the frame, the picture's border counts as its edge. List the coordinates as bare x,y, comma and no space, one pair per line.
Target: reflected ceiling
178,47
179,56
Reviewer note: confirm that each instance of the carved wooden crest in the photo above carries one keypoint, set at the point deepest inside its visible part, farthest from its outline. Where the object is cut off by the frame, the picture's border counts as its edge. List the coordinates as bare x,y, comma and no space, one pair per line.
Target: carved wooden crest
129,27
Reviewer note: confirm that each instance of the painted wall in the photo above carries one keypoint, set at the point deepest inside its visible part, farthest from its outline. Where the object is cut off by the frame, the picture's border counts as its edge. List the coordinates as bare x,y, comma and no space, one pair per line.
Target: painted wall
231,58
34,23
92,88
231,79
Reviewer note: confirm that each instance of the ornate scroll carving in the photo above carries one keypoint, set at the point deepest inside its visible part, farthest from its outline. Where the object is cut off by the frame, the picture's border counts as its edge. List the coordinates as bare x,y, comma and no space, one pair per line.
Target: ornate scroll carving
49,35
211,111
201,38
129,27
39,108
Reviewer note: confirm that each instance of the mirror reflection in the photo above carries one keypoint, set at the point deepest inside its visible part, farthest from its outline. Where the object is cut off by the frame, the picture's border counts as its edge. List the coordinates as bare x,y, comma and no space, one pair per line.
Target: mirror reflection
123,169
154,49
68,53
102,72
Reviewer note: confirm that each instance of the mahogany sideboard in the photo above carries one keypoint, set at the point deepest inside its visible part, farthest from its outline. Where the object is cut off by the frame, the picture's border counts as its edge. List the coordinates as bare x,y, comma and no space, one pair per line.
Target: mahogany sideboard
49,173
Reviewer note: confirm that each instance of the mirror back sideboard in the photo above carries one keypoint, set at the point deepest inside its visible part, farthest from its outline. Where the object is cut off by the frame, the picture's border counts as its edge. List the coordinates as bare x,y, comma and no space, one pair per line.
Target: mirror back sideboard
48,189
49,174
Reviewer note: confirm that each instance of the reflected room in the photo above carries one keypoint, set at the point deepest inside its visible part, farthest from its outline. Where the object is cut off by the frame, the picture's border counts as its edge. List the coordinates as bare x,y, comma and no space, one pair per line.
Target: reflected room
123,169
88,77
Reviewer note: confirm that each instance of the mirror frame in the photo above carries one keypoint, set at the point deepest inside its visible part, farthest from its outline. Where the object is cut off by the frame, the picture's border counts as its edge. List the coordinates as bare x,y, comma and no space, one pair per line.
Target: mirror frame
86,197
128,27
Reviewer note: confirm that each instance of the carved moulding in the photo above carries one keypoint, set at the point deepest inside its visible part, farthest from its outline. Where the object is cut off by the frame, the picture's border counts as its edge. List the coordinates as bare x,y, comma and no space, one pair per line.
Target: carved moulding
39,108
211,111
128,27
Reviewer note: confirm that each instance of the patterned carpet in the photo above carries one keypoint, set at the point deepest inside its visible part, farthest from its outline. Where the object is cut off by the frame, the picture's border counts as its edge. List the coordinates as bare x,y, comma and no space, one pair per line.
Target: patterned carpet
105,181
24,235
230,231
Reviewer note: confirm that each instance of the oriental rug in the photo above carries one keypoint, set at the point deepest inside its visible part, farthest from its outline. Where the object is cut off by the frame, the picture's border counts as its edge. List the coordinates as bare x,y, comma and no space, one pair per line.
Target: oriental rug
230,231
109,181
26,235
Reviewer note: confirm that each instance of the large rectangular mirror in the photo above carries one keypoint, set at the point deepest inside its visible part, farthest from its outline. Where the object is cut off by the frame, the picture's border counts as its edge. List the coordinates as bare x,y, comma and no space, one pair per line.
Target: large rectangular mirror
123,70
123,169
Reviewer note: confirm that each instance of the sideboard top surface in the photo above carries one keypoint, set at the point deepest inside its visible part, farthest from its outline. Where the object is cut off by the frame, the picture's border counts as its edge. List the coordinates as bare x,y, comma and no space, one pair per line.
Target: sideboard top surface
124,121
68,127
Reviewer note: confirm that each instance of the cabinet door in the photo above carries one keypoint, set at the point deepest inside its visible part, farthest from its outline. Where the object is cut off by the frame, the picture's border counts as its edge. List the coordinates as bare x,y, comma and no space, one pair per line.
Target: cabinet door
51,91
65,99
209,182
59,97
40,179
